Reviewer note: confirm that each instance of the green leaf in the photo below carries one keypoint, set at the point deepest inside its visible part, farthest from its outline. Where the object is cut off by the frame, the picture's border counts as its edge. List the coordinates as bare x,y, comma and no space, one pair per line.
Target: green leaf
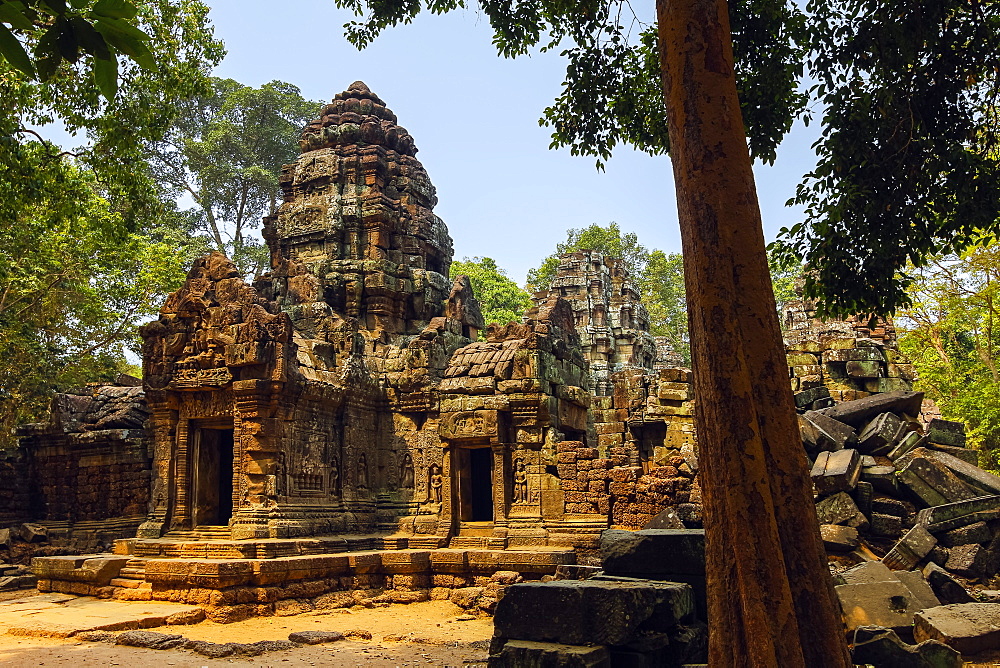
14,53
57,6
66,40
115,9
127,39
106,73
90,40
14,14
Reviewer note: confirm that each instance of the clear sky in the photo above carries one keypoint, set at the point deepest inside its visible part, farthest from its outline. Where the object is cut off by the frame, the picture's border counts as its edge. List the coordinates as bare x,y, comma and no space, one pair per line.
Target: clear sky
474,117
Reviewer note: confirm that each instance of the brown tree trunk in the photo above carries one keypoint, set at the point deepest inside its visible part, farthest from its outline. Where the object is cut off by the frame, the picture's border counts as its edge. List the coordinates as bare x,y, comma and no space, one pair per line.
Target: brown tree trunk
770,596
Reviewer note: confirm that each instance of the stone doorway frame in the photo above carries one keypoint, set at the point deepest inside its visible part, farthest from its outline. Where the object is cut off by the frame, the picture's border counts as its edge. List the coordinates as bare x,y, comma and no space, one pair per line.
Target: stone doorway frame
196,429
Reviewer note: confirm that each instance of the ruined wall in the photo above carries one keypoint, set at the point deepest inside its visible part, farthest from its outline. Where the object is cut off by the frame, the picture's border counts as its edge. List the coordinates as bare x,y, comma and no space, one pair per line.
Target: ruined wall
841,360
609,316
15,486
84,474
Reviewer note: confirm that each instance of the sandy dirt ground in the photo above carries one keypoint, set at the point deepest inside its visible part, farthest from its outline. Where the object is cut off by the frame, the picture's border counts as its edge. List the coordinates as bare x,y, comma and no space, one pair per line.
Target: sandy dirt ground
434,633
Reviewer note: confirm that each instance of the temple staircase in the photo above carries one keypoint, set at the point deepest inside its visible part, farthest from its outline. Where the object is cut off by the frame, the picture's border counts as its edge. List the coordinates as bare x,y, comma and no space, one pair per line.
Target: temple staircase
132,576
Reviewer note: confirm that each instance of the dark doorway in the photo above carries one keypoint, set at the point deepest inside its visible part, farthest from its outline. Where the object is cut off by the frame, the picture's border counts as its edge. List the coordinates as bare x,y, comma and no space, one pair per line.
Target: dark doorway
475,484
213,477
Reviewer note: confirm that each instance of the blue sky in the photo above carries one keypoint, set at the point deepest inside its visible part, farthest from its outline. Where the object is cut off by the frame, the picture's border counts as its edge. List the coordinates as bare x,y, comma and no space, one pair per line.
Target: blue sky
474,117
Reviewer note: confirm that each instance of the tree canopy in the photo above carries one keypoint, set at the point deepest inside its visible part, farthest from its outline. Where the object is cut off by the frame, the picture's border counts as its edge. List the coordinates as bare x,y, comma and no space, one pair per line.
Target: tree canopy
500,299
225,152
908,165
73,288
88,245
951,333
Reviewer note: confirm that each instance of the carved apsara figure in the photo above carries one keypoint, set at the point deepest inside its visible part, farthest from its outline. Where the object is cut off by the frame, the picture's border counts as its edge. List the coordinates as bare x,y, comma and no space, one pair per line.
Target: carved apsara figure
437,482
406,472
520,481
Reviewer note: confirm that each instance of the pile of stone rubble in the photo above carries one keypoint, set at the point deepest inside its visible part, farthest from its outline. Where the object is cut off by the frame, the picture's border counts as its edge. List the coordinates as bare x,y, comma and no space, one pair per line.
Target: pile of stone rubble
911,524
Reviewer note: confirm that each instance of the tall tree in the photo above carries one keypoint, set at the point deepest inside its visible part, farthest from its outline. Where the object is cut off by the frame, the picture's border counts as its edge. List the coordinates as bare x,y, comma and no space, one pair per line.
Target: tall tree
87,245
913,84
225,152
774,604
951,333
501,300
662,286
73,288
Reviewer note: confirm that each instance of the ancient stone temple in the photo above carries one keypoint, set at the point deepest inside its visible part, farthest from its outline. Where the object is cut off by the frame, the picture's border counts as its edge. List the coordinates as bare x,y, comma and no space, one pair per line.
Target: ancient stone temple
609,317
344,392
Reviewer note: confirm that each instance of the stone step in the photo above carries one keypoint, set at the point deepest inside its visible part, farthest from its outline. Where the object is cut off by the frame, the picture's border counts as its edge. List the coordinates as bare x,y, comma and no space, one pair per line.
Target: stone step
125,582
133,573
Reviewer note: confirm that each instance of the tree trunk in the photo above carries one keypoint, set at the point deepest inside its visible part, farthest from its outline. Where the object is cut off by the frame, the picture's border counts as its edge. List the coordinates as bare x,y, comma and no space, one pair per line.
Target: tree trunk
770,595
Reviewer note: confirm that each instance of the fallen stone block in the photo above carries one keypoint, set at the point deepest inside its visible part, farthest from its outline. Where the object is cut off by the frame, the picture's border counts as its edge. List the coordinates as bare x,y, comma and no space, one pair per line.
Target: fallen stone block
866,573
973,561
946,432
863,495
954,515
831,434
577,612
945,587
518,653
860,411
968,473
931,480
911,548
906,444
889,604
33,533
879,436
882,478
922,592
966,455
653,553
977,532
807,398
212,650
840,508
836,471
665,519
890,506
5,537
315,637
838,538
969,628
888,526
150,639
881,647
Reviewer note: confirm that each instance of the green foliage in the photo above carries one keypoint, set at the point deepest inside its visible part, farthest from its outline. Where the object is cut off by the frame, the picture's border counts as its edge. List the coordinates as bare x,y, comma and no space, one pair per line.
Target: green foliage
87,245
611,94
608,240
908,161
73,286
952,336
60,33
662,286
226,150
114,131
500,298
785,271
659,276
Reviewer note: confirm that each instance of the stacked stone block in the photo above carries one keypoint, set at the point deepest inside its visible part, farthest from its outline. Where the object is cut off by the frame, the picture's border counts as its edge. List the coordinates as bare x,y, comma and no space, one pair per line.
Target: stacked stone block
846,357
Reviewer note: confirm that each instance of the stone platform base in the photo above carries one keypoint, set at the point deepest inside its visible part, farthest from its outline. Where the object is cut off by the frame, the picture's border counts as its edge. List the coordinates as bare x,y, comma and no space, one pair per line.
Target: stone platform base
231,589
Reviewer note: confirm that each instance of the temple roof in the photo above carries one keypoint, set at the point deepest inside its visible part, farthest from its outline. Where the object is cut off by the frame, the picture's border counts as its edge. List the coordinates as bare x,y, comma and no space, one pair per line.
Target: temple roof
356,116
